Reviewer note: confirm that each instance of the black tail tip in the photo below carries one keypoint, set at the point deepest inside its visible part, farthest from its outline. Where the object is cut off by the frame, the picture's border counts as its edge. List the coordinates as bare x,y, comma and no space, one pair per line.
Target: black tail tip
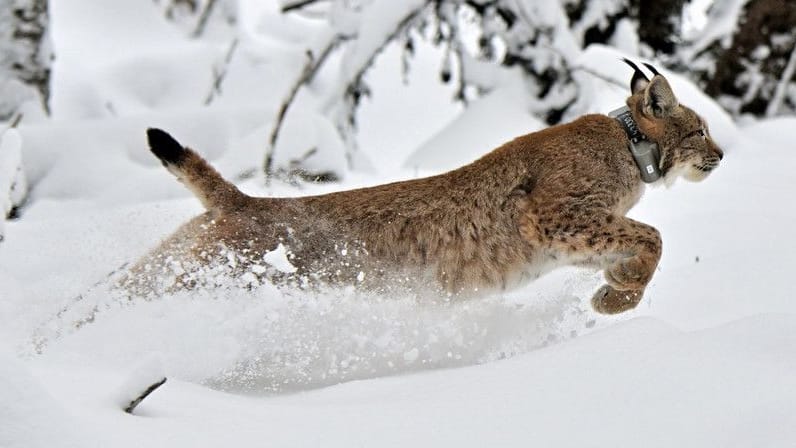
164,146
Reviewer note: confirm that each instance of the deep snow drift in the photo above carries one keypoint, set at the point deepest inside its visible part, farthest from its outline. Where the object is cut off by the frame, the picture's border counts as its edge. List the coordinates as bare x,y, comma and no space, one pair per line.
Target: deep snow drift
706,360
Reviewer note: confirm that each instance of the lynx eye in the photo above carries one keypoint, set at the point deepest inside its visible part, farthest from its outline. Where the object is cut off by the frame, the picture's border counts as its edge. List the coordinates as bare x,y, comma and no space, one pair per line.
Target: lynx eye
700,133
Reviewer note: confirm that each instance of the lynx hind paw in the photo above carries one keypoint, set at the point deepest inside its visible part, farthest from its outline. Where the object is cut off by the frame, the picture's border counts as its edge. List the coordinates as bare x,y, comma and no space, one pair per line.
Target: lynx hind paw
608,300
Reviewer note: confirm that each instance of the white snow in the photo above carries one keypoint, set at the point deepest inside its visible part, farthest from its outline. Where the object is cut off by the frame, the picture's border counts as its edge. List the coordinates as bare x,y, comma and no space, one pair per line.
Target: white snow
278,258
31,417
707,360
488,122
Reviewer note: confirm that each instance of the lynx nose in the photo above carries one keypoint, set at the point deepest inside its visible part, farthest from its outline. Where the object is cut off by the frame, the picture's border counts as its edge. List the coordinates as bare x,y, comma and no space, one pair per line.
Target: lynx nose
719,153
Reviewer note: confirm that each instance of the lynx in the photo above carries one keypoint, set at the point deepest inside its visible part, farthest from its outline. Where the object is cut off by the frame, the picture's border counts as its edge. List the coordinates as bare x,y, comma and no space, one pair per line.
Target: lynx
549,198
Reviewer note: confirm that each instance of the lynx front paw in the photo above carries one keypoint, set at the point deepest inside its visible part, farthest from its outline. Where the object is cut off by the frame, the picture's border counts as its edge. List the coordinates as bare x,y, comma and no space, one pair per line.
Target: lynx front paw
608,300
630,274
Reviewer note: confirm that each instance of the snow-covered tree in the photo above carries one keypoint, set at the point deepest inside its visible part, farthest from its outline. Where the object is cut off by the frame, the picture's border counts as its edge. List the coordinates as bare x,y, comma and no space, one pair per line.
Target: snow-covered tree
746,56
25,55
540,39
659,24
25,59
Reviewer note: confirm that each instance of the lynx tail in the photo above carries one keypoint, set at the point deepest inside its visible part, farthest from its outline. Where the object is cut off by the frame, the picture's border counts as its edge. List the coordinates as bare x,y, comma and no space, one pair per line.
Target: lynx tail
215,193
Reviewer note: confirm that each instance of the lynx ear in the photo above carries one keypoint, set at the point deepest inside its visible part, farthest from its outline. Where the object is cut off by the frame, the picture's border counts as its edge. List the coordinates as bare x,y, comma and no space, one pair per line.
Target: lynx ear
651,68
639,81
659,100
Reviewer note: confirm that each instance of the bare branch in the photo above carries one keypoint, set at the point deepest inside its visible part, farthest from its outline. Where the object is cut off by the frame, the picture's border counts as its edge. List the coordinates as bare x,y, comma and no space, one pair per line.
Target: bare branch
580,68
202,24
220,73
297,4
311,67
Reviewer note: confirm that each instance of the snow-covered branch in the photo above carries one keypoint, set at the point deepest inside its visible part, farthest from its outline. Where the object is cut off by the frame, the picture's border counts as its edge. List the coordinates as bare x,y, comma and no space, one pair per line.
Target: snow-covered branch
380,24
786,78
367,32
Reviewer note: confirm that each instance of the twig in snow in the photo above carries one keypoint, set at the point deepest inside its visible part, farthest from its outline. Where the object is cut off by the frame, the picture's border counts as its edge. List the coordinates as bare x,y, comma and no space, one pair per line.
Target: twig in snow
15,121
291,5
137,400
144,378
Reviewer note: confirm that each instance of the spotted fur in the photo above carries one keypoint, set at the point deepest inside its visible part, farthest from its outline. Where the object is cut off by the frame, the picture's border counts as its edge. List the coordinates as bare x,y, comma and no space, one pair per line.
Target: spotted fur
554,197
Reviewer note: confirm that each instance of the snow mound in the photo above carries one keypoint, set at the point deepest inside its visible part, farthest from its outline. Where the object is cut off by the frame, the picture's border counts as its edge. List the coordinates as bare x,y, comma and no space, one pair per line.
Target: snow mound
487,123
30,416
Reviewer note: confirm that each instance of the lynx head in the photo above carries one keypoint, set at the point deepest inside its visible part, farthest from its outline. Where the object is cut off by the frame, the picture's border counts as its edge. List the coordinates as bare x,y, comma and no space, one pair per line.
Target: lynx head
685,145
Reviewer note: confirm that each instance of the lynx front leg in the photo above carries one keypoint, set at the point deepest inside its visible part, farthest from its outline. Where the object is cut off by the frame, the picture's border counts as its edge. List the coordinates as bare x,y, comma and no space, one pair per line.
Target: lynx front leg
627,250
631,251
608,300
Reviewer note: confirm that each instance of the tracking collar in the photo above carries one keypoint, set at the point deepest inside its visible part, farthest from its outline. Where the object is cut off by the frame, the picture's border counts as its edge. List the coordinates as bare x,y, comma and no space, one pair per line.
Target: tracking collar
645,152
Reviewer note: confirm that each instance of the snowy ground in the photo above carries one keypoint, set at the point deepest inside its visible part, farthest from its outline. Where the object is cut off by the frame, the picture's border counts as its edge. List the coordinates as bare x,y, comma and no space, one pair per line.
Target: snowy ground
707,360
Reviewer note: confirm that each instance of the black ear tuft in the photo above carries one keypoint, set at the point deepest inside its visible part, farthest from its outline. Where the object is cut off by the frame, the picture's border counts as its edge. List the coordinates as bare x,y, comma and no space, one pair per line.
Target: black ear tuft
639,80
164,146
651,68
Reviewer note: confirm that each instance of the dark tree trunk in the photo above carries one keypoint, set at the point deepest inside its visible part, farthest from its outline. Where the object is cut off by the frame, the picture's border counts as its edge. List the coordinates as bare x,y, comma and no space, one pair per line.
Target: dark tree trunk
659,23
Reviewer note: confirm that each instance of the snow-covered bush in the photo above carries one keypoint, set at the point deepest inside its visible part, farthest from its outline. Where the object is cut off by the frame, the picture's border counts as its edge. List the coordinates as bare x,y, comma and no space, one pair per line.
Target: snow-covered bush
542,40
746,56
25,55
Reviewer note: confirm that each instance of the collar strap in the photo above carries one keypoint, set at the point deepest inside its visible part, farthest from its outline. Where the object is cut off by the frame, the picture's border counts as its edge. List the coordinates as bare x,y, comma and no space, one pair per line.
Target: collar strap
645,152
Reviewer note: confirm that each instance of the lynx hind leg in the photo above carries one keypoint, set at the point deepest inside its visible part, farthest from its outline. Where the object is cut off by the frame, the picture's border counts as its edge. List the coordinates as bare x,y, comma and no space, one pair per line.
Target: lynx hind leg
152,274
